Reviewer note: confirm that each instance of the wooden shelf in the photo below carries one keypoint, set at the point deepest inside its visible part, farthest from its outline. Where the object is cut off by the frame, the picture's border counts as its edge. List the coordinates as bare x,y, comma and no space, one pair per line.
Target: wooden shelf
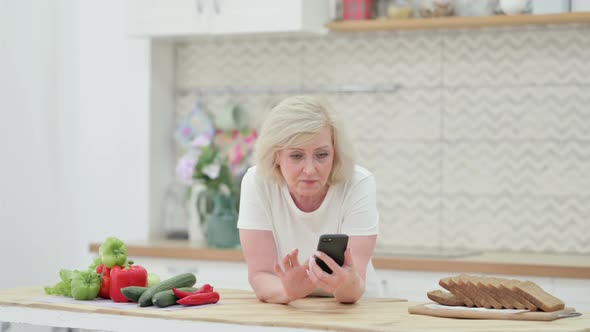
457,22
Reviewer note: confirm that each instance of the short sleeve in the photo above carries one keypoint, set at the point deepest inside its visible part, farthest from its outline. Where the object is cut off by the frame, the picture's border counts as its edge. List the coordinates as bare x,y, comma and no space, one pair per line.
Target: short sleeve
253,210
361,216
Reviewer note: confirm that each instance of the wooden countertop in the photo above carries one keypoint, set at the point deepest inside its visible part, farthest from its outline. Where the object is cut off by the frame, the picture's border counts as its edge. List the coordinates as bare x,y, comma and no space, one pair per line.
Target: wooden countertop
243,310
508,263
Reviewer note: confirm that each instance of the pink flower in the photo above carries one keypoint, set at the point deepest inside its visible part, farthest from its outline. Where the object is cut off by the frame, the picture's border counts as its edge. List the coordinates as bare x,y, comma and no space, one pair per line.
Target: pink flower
186,131
237,155
251,138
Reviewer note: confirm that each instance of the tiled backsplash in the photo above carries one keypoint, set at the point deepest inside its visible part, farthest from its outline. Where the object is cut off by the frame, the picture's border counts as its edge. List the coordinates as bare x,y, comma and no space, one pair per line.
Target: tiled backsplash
479,139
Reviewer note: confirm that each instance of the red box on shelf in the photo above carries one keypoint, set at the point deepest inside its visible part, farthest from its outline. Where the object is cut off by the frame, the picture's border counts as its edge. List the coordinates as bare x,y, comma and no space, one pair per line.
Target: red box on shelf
357,9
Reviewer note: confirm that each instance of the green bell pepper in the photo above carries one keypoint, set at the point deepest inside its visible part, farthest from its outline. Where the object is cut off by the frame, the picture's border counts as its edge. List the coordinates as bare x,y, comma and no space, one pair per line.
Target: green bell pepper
113,252
85,285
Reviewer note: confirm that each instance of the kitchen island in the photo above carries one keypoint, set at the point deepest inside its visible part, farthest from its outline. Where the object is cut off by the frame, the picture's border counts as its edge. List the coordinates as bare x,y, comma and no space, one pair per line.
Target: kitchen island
508,263
405,273
239,309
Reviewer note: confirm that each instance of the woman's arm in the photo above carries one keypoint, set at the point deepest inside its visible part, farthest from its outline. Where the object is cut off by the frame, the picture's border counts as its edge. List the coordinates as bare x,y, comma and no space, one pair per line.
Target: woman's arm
361,249
270,282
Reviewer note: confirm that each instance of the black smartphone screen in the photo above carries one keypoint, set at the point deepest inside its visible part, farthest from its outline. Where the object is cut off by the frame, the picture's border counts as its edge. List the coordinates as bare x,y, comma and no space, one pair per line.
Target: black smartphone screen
334,246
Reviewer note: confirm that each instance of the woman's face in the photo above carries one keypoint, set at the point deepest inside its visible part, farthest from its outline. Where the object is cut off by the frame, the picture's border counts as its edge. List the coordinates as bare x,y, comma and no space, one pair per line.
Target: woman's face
306,169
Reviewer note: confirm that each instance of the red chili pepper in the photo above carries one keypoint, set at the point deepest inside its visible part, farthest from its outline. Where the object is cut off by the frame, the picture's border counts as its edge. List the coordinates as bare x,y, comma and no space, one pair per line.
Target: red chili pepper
199,299
105,284
206,288
124,277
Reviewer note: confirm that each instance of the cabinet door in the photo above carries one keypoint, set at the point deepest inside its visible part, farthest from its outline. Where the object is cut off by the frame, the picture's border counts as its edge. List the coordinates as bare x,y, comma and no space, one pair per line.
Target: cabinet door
266,16
161,18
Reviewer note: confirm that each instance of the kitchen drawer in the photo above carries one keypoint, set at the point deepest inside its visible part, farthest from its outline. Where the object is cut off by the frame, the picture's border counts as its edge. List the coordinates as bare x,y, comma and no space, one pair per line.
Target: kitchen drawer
409,285
219,274
574,292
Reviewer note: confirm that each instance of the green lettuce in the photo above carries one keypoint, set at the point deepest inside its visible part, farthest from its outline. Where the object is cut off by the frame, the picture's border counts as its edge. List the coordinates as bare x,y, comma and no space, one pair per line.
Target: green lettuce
64,287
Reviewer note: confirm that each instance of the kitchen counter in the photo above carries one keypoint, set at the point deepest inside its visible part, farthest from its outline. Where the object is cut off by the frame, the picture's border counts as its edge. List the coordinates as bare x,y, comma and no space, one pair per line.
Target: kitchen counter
242,311
507,263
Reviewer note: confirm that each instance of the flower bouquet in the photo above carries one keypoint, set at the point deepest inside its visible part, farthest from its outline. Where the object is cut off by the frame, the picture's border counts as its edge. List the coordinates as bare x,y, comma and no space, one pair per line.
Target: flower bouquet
216,156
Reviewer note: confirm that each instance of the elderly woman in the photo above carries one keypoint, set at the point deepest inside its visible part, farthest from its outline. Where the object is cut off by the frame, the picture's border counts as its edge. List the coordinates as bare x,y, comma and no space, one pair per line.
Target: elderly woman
305,184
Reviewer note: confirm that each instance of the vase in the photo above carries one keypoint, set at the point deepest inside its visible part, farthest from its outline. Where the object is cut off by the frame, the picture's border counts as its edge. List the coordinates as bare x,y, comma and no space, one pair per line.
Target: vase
222,223
196,233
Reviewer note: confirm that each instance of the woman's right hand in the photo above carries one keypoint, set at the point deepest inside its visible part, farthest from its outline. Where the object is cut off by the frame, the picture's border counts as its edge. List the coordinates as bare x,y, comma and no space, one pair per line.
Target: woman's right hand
294,277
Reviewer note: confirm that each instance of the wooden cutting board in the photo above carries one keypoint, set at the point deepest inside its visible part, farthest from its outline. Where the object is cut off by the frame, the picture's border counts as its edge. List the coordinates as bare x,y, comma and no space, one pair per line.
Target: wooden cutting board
437,310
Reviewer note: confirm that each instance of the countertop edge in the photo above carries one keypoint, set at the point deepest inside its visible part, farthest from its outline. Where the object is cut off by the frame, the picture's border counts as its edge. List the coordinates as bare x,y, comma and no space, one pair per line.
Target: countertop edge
455,265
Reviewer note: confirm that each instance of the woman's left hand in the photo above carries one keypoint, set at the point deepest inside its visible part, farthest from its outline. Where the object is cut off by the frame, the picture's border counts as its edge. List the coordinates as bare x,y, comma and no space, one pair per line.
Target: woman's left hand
294,279
340,274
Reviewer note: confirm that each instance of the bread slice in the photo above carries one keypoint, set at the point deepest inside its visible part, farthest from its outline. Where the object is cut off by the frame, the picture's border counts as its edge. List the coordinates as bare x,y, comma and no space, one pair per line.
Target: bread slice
449,284
505,297
444,298
507,284
538,296
497,301
474,294
488,292
494,300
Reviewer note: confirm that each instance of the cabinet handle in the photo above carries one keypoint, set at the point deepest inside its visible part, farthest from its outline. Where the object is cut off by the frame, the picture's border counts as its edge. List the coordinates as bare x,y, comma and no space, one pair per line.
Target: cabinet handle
4,326
385,287
216,7
199,6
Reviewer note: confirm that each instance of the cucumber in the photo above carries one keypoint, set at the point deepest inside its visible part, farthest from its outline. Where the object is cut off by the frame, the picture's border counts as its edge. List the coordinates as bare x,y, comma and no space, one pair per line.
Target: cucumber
133,292
167,298
181,280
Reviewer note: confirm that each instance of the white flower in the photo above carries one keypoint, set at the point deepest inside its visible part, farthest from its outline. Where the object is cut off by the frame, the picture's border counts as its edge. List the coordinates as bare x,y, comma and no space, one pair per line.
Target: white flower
201,141
212,171
224,189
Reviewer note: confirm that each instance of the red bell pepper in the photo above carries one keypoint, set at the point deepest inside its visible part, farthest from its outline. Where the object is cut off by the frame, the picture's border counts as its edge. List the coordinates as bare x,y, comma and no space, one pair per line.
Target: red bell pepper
124,277
105,283
198,299
206,288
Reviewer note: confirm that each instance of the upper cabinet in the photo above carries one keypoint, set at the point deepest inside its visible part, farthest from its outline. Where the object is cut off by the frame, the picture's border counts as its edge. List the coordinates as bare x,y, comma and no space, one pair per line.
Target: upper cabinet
182,18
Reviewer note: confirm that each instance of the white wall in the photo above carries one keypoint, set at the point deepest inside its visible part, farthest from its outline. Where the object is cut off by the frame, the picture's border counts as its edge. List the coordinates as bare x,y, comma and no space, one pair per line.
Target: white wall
73,135
470,147
28,135
113,122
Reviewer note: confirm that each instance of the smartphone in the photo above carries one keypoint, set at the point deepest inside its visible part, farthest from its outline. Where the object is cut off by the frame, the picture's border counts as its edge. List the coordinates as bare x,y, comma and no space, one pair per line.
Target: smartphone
334,246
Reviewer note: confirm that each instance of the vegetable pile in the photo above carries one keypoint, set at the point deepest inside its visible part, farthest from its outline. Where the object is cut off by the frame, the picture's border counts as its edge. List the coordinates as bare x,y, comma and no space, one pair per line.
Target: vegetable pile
113,276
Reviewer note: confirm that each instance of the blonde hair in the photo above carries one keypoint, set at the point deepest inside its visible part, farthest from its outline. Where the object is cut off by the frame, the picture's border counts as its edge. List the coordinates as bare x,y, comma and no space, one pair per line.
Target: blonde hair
293,123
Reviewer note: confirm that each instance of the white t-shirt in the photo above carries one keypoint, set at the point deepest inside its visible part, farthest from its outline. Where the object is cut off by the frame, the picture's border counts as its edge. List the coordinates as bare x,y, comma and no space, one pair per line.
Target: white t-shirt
349,208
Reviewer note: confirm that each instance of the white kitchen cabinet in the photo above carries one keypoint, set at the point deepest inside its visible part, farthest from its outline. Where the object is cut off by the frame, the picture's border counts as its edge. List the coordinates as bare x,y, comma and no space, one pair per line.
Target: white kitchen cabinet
268,16
183,18
159,18
574,292
409,285
233,275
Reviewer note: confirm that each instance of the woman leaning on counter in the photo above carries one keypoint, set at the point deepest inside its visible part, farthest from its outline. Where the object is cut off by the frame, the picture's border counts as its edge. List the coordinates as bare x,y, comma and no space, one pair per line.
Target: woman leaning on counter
305,184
